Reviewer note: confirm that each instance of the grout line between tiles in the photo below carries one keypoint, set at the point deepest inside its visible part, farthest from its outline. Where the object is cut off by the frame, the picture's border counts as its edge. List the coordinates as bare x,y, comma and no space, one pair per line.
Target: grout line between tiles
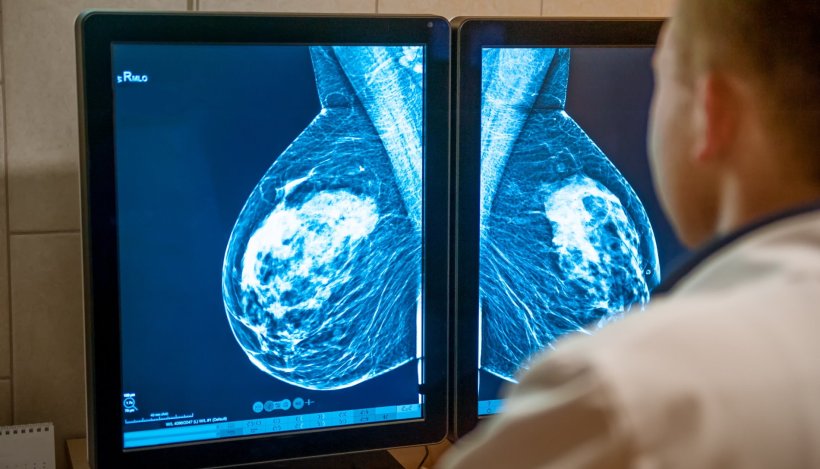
8,405
377,6
42,232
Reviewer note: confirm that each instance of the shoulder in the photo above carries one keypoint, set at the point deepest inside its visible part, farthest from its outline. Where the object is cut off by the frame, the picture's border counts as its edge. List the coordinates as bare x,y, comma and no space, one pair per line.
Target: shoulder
767,283
696,372
718,328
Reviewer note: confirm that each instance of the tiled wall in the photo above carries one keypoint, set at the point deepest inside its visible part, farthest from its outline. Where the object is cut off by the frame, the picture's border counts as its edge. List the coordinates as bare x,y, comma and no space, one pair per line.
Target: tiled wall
41,332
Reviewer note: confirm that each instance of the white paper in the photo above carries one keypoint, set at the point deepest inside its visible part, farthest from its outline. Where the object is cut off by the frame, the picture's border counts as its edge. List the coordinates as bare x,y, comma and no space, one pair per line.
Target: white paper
27,446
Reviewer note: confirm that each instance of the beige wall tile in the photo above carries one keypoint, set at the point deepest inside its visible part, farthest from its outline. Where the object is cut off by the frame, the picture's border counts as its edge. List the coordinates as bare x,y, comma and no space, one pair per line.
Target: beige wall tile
5,402
47,322
607,8
41,108
5,333
290,6
453,8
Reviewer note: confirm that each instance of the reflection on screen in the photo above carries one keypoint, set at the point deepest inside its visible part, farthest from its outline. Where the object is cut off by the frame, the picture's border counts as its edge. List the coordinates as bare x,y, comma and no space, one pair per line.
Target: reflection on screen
566,244
281,187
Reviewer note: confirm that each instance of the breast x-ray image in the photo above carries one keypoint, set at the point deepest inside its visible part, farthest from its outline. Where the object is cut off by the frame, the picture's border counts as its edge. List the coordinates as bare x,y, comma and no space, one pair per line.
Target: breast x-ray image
322,273
565,243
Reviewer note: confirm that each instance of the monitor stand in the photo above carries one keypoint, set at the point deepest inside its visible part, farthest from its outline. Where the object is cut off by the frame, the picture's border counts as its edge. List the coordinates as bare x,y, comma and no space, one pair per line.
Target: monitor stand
368,460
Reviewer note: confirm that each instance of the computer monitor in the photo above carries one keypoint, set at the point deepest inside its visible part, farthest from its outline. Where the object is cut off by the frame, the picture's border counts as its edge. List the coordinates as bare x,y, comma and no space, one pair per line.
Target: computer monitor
559,229
265,243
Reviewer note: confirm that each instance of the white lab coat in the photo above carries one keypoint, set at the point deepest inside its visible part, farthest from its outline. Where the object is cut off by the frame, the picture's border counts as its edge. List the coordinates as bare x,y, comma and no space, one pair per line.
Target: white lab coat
724,372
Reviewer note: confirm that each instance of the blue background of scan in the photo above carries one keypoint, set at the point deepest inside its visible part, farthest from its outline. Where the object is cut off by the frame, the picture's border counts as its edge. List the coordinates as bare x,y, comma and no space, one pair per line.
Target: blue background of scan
191,145
609,95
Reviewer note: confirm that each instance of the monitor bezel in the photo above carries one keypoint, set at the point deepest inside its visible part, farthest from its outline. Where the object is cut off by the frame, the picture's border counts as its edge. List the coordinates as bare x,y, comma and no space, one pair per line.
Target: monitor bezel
470,35
95,32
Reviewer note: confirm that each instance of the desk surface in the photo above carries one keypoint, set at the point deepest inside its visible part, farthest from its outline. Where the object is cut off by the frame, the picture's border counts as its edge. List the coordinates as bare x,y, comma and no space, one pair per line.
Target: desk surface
77,454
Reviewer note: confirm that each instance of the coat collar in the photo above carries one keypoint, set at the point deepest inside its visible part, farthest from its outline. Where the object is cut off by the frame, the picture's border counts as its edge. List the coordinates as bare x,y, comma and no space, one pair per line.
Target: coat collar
716,246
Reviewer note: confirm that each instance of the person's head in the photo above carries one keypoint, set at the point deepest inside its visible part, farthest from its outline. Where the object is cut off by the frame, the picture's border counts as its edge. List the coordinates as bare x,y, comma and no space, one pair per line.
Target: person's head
735,112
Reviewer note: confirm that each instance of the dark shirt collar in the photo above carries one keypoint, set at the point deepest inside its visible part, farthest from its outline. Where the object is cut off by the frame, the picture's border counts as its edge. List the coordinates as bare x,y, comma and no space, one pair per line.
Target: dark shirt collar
716,245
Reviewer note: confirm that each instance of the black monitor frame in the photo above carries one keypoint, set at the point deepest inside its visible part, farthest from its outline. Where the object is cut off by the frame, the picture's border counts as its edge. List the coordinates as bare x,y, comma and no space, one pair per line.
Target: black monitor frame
470,35
96,31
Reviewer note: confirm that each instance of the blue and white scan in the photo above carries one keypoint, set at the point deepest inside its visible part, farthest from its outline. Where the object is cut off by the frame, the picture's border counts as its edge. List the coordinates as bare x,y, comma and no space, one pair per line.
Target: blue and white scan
566,245
322,273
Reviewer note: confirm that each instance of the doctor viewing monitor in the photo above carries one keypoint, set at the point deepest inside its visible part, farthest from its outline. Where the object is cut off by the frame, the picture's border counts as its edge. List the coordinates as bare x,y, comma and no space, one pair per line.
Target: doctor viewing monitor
558,226
265,240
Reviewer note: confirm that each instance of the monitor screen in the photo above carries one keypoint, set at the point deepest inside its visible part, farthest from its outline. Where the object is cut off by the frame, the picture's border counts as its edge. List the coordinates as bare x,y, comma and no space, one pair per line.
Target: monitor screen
272,240
255,247
568,232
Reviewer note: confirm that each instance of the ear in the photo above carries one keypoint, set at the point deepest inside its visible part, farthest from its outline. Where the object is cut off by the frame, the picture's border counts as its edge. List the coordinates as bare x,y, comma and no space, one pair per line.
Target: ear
716,118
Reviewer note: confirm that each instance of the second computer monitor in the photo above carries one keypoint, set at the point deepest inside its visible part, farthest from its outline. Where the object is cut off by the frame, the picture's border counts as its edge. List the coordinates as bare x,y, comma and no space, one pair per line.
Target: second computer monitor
559,227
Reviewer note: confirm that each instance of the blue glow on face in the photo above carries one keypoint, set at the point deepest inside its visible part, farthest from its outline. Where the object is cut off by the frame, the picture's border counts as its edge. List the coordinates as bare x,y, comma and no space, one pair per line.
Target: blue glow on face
322,272
566,244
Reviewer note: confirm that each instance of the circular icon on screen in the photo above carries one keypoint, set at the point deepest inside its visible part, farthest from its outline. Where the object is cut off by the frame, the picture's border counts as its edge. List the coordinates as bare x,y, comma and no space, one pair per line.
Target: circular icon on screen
285,404
257,407
298,403
130,403
269,406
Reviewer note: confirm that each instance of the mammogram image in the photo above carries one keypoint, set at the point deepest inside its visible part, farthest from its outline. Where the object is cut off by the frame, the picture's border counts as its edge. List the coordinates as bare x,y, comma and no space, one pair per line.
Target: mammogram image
566,244
322,273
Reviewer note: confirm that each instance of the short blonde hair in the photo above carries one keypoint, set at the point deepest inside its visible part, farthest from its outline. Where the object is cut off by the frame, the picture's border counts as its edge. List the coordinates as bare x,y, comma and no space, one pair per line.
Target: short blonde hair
772,42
